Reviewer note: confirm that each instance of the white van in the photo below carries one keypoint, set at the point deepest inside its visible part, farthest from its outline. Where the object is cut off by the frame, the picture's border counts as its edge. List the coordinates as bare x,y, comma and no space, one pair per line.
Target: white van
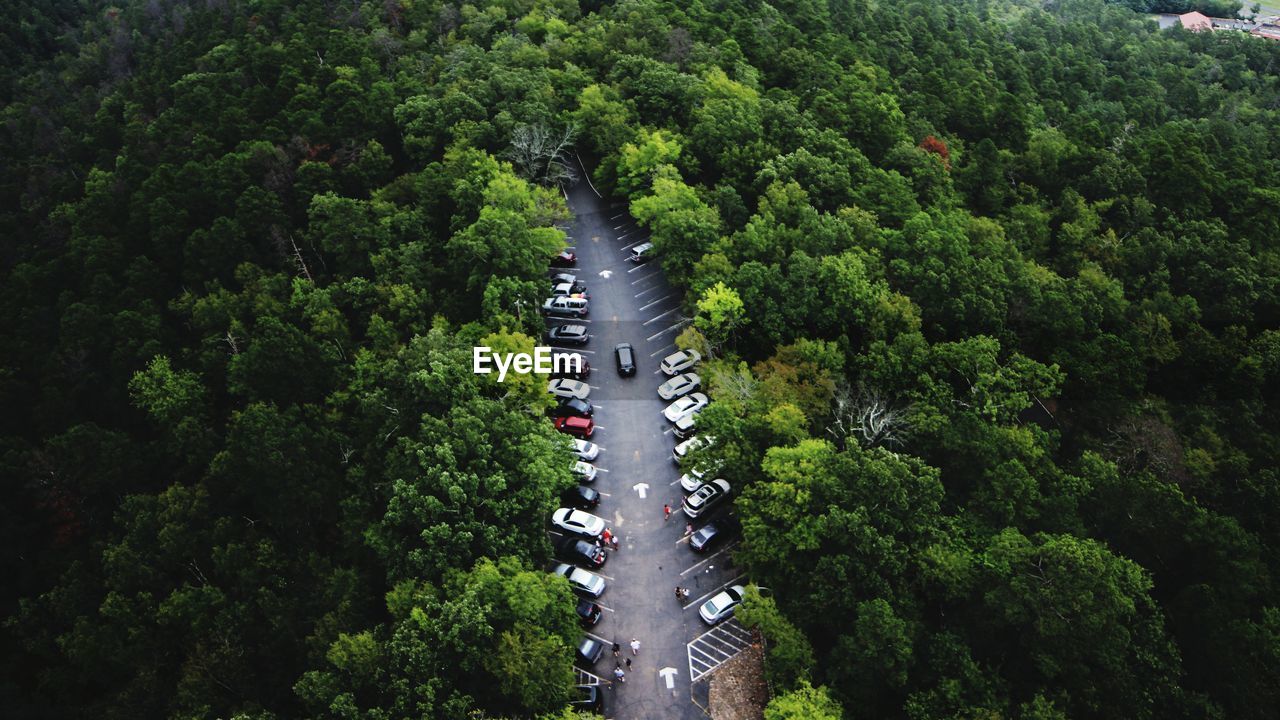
641,252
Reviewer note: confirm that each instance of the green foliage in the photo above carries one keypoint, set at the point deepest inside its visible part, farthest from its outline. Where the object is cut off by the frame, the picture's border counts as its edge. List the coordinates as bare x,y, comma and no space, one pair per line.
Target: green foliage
248,246
804,703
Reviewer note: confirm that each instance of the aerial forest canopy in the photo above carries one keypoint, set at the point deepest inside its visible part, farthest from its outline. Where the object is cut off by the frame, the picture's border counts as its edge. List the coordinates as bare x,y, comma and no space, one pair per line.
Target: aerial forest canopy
990,288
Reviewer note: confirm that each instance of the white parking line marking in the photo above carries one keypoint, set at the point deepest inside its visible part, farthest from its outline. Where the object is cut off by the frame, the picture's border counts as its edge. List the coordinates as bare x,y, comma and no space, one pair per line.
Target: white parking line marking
597,637
619,227
615,217
642,292
655,302
637,267
640,280
600,469
710,557
573,350
606,609
661,349
655,318
677,326
625,234
628,247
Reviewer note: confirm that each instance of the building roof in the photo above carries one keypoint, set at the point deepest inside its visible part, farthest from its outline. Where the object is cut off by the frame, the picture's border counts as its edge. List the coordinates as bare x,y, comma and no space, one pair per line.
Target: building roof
1195,21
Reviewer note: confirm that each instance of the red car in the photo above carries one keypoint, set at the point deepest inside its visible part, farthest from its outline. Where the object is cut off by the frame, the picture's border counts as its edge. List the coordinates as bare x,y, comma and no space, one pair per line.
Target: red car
578,426
564,259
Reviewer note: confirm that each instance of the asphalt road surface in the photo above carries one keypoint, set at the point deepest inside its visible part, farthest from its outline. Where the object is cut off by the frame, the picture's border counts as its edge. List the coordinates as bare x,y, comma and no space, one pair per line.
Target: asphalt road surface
633,303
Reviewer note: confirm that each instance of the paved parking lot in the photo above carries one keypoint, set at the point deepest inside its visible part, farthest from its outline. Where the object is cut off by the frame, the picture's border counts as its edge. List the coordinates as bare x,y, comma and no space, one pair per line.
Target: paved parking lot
633,303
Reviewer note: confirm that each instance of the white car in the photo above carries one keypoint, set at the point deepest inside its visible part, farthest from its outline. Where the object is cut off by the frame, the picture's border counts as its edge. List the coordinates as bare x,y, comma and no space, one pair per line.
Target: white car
576,522
722,605
707,496
586,472
684,448
584,449
679,385
685,406
692,480
678,362
565,388
581,580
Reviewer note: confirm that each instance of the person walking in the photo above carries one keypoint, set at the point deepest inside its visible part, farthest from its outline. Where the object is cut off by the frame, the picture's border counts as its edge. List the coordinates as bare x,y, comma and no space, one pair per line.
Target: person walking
688,528
628,664
666,513
616,649
607,537
619,675
615,542
635,646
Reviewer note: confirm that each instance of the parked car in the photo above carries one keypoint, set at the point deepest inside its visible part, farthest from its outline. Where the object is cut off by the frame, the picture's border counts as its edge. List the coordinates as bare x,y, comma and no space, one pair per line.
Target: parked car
576,426
577,522
563,277
585,472
589,651
722,605
678,362
585,450
680,385
563,368
576,290
587,698
583,581
626,358
685,427
572,407
564,259
580,497
588,613
692,480
685,447
566,388
568,334
564,306
707,496
577,550
641,252
713,533
687,405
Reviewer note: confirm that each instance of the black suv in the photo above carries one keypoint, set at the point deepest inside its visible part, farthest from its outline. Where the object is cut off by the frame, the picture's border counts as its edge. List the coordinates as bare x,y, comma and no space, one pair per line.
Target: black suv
626,359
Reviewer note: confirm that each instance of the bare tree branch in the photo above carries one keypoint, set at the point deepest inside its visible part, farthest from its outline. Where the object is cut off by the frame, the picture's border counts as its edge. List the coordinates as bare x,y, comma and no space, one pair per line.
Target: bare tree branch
541,155
869,417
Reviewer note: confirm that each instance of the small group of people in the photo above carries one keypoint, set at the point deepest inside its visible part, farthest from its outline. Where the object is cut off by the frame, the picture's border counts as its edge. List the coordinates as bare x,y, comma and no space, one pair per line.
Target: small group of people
682,593
607,539
619,674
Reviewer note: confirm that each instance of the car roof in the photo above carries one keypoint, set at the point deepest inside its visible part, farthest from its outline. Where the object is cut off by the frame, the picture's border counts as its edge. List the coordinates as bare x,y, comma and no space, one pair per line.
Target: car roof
642,247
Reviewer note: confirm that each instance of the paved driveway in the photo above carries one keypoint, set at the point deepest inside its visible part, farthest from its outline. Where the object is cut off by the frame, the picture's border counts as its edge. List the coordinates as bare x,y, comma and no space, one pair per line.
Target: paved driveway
634,304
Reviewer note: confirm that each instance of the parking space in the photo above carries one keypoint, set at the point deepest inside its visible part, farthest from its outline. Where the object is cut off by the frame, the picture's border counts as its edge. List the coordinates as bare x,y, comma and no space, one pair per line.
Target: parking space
715,647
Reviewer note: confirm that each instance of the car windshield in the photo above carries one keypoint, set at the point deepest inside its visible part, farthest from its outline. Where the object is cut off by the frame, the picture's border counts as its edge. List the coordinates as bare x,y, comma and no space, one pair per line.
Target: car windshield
712,607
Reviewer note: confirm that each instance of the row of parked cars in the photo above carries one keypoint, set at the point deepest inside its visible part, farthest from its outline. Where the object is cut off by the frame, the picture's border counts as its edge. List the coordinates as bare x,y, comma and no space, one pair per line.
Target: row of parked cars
704,491
573,415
